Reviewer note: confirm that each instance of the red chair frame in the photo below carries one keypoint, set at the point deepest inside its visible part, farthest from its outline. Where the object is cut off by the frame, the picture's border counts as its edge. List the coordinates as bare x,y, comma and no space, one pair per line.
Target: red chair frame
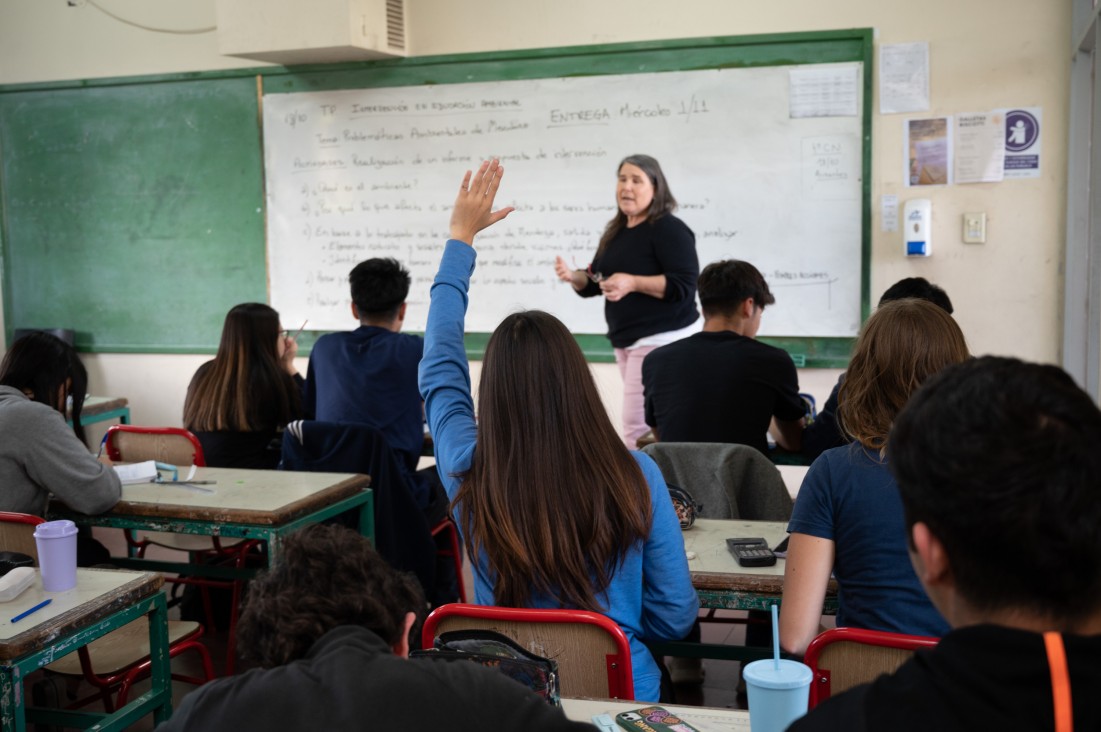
126,677
820,685
113,452
454,552
621,681
234,555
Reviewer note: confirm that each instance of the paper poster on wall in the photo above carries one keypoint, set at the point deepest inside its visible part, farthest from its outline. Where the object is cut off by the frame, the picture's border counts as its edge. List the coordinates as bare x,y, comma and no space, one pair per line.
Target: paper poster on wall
832,91
903,77
979,147
831,165
928,151
1022,142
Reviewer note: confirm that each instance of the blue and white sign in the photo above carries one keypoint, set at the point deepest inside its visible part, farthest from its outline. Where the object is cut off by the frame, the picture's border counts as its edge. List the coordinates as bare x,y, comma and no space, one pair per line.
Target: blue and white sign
1022,142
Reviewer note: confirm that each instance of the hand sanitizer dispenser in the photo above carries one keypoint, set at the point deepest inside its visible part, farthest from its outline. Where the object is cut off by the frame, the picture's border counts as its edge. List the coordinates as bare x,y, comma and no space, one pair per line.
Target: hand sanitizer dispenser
918,227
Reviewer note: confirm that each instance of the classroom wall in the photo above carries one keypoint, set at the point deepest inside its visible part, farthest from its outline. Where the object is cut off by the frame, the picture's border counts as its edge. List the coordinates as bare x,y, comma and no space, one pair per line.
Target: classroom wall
984,54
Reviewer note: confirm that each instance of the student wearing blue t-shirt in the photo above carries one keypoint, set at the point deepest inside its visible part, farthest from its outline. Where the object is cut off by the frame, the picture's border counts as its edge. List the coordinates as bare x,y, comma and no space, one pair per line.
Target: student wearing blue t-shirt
554,510
848,518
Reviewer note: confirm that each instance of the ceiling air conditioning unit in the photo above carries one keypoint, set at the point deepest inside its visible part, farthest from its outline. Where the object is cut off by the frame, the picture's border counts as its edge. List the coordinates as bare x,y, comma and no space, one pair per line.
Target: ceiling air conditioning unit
290,32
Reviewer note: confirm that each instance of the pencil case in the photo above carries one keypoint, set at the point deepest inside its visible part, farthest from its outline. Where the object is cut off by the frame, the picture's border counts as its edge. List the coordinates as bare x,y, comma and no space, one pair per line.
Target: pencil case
14,582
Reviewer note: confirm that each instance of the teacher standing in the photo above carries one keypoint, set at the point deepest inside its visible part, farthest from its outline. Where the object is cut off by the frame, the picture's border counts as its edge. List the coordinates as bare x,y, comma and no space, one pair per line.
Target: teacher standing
646,269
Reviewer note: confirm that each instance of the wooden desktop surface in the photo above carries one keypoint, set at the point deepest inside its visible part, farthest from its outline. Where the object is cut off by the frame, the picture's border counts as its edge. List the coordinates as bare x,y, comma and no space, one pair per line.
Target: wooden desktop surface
266,497
98,594
94,405
725,584
706,719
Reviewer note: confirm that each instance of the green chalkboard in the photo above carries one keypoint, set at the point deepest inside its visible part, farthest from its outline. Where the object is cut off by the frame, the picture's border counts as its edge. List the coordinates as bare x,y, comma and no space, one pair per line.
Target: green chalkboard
132,212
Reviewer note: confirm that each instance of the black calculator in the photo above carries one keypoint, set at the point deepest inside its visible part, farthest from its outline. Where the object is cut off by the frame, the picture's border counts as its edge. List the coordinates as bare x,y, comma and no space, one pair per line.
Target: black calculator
751,552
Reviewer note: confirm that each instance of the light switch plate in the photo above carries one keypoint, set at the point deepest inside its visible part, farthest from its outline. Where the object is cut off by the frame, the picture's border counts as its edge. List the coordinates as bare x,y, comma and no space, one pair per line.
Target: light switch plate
974,228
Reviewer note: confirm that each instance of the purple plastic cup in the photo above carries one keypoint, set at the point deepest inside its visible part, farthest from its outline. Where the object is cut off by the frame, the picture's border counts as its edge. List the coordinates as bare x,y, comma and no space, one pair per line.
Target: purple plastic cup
56,541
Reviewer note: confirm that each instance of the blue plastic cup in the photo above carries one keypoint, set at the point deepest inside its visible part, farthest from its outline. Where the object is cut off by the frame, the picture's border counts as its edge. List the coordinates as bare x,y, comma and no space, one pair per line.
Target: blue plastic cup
777,696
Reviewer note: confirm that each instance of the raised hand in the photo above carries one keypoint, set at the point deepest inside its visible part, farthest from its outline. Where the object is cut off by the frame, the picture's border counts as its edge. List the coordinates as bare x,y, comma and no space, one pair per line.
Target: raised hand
474,205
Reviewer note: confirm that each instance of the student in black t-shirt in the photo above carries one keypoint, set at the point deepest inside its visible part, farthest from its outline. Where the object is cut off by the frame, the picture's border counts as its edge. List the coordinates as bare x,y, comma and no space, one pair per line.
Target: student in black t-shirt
723,385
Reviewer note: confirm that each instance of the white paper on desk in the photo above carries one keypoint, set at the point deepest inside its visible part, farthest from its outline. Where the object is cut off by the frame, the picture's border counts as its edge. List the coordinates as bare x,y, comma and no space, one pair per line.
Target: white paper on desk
823,92
903,77
979,147
131,473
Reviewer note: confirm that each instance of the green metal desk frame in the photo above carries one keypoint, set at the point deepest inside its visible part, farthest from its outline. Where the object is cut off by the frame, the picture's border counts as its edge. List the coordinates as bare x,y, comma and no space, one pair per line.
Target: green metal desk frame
272,534
157,700
122,415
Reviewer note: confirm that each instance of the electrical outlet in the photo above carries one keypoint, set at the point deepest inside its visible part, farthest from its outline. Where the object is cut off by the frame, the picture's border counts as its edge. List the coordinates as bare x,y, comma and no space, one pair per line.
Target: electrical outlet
974,228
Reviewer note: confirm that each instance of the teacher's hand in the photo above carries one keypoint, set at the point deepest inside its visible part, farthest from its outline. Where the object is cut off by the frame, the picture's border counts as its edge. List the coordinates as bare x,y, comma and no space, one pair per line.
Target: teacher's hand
563,270
617,286
575,277
474,205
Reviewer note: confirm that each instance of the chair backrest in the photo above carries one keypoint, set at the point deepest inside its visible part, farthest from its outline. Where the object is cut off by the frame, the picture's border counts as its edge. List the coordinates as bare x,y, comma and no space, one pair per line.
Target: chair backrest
841,658
17,533
728,481
133,444
402,534
593,653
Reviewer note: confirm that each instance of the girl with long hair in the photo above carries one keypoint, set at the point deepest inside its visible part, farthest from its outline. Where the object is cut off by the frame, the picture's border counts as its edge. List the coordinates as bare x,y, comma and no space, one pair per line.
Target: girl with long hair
238,403
553,509
848,517
646,268
39,453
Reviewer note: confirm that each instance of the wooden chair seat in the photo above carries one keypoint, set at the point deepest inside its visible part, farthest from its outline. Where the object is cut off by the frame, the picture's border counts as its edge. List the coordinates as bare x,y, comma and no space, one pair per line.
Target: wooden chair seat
841,658
593,654
123,648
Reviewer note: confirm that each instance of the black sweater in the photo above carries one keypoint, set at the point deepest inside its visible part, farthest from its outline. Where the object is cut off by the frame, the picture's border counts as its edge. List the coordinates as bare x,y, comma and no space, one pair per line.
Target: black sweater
666,247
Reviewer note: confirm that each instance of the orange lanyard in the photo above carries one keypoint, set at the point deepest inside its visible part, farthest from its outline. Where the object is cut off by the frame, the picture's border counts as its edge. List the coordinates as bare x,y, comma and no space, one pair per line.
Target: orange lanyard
1060,681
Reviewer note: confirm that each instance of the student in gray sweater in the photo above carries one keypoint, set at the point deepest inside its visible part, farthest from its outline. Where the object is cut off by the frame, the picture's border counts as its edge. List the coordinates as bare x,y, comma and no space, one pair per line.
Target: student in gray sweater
39,453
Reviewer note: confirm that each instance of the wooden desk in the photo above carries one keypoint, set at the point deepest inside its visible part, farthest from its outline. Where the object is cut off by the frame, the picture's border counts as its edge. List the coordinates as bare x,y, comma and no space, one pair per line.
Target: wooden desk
102,601
101,409
251,504
706,719
722,583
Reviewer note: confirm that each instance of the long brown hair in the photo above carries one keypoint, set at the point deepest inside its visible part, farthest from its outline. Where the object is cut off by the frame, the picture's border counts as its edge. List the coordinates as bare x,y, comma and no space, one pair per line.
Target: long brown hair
662,203
552,497
902,344
245,388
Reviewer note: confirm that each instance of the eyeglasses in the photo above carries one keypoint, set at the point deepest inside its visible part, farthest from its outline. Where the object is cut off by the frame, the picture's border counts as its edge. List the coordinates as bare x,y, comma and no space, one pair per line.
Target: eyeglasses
594,276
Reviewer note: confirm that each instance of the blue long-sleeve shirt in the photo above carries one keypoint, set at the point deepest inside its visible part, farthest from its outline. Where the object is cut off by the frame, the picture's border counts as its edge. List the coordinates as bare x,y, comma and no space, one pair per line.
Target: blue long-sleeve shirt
650,596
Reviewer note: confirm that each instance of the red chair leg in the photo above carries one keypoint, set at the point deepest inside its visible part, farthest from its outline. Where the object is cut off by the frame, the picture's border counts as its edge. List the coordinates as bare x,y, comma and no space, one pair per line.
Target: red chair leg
142,669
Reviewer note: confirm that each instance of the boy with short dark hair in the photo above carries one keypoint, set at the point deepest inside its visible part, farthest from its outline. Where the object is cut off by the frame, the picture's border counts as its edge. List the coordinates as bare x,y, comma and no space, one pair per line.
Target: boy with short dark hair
723,385
997,463
369,375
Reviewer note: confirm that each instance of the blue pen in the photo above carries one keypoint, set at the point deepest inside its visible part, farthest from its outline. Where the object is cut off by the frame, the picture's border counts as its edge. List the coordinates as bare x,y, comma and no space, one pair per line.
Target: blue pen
102,444
25,613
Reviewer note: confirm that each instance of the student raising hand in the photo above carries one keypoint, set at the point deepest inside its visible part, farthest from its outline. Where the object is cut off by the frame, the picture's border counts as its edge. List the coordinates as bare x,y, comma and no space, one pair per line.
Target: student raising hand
473,209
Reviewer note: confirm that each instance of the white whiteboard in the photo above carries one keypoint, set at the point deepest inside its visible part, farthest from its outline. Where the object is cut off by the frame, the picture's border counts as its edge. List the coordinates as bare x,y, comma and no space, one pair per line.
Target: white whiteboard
359,173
